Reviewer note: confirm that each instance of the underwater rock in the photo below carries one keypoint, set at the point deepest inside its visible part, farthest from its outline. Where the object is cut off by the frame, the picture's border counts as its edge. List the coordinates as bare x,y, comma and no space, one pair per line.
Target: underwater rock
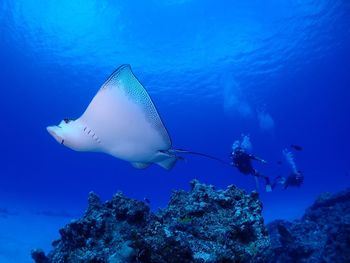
321,235
202,225
39,256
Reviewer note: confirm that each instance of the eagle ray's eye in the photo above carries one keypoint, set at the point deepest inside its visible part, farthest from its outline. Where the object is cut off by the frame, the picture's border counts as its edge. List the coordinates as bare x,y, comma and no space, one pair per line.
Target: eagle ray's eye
66,120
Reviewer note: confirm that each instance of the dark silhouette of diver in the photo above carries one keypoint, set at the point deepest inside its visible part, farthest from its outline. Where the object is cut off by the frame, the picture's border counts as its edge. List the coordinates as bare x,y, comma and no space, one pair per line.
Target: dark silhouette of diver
243,161
294,179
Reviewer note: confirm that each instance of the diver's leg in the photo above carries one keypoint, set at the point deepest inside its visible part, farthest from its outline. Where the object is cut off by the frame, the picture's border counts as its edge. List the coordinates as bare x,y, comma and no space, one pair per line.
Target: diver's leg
256,176
267,180
257,186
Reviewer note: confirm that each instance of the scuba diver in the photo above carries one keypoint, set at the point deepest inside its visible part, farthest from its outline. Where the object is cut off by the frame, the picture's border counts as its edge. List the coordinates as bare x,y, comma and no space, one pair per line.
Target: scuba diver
243,161
295,178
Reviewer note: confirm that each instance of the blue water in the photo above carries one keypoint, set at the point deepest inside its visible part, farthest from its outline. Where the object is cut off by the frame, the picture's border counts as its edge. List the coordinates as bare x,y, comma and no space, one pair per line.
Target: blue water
276,70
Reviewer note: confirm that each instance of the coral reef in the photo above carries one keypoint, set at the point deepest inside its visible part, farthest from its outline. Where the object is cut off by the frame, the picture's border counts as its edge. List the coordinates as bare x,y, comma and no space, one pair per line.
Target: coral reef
321,235
202,225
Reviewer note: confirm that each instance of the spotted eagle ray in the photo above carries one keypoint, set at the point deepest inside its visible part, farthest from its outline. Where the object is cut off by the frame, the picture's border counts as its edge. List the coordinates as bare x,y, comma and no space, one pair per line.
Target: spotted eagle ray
122,121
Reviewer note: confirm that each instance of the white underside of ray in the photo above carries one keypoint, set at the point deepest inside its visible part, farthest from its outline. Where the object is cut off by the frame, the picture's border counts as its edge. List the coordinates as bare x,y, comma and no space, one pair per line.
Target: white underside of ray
125,120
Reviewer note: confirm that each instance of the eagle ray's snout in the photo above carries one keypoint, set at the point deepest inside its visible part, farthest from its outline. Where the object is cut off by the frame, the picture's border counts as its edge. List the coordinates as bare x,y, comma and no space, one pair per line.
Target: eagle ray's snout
53,131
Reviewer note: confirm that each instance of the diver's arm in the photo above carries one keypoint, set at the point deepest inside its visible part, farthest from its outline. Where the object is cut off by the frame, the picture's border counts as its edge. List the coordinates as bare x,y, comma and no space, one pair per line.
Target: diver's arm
257,158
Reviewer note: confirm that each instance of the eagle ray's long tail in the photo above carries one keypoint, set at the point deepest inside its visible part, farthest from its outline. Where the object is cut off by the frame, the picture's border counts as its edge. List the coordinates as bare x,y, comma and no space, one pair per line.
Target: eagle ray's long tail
199,154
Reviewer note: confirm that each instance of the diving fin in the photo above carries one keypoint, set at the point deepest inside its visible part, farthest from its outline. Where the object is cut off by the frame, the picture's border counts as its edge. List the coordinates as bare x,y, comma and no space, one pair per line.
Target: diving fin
268,188
257,186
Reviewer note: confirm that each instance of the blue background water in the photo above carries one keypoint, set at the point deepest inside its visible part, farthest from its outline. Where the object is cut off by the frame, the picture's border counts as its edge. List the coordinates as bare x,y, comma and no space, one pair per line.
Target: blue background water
277,70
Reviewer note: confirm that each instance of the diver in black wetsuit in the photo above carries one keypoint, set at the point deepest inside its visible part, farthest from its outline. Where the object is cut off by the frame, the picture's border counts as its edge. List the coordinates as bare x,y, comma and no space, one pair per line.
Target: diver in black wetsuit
243,161
295,179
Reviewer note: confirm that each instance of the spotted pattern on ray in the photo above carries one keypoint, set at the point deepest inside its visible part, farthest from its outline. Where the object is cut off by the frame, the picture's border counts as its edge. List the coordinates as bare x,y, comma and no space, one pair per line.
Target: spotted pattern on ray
124,78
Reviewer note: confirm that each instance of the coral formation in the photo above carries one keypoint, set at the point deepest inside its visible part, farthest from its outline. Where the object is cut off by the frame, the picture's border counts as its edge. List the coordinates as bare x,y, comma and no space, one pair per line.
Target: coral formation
202,225
321,235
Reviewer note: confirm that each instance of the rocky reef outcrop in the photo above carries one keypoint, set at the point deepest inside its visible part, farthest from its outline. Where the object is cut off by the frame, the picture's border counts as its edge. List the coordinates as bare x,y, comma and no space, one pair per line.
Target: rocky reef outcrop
202,225
321,235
